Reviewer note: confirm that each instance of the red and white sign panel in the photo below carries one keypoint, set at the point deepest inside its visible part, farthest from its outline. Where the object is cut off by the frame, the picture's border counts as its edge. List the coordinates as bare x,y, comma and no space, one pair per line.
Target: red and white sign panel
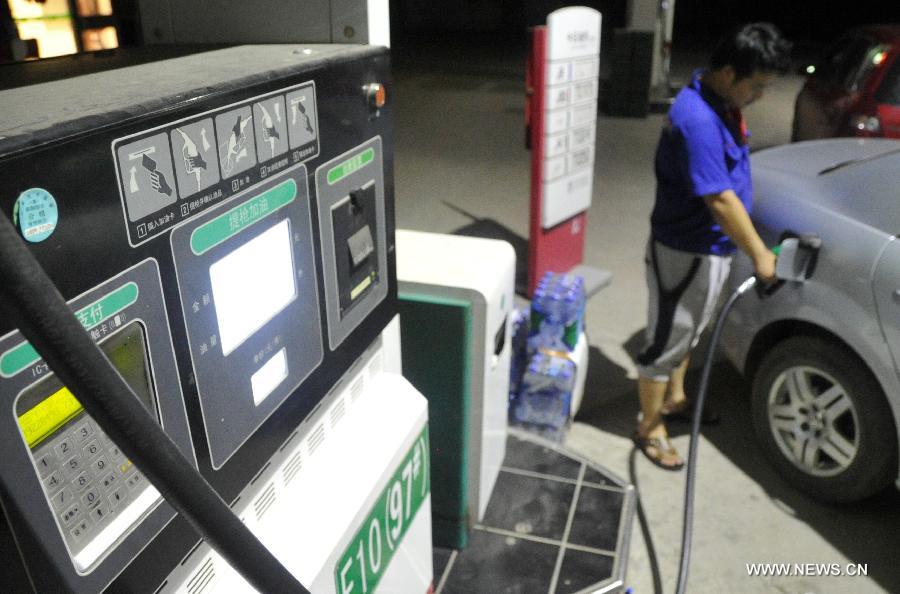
564,65
570,112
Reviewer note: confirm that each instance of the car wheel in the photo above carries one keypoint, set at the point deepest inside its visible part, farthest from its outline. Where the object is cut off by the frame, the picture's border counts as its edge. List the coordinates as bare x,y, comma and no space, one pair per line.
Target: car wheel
823,420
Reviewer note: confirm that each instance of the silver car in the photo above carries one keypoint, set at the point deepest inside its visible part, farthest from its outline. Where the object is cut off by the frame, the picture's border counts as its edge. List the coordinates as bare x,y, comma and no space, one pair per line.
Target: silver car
824,355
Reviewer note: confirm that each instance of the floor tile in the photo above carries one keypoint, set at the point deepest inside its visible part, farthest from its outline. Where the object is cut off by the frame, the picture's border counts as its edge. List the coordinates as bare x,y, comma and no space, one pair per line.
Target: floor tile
592,475
439,559
580,570
597,518
529,505
493,563
526,455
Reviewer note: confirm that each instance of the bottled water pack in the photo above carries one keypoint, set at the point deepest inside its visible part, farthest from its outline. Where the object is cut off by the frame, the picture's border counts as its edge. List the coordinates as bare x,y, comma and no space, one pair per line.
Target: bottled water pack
557,312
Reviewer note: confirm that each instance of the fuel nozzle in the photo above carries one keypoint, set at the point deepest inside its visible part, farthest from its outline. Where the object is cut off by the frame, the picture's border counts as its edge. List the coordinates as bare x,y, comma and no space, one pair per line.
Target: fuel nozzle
797,256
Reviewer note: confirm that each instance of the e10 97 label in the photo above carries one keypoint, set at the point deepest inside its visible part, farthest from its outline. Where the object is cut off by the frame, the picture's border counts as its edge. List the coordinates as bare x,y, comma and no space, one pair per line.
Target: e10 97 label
366,558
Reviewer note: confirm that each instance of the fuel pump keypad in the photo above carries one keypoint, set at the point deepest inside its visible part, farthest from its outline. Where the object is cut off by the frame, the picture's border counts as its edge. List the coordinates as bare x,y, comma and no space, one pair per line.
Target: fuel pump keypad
75,490
86,478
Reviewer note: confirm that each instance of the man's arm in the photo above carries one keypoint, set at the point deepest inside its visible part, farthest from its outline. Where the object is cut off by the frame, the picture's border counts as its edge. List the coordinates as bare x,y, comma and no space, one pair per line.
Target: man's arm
729,212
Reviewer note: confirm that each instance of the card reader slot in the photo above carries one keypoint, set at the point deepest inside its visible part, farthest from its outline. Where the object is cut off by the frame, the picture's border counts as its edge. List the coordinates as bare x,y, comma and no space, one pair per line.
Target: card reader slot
500,338
354,226
499,343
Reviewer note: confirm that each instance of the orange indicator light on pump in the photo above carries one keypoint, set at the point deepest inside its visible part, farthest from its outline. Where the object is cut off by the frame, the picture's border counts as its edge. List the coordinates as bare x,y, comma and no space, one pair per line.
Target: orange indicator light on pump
375,95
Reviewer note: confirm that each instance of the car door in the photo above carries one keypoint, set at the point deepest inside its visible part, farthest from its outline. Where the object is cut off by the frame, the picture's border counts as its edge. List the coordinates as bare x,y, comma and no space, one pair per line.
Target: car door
886,285
831,90
887,99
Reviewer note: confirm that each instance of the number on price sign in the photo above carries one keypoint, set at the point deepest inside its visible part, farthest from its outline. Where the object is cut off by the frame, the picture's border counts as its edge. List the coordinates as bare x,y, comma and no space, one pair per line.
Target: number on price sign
367,556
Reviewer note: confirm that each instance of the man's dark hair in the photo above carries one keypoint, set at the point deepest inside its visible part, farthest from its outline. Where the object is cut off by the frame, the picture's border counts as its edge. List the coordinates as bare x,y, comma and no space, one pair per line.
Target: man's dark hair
756,47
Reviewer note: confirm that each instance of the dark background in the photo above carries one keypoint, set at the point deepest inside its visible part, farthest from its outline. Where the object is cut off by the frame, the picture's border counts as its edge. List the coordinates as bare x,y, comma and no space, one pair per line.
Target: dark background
695,20
803,20
807,22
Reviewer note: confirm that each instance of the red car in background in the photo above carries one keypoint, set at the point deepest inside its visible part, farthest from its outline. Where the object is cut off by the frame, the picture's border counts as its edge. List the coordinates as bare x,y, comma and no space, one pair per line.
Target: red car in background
854,90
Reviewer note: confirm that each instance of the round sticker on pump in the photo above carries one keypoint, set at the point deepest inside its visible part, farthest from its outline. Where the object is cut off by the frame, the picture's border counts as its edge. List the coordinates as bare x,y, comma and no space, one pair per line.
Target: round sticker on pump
36,214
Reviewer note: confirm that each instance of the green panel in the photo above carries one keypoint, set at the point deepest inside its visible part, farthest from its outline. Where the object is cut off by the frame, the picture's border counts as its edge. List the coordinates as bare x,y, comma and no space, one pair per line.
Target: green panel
23,354
209,235
367,556
18,358
351,165
436,337
107,306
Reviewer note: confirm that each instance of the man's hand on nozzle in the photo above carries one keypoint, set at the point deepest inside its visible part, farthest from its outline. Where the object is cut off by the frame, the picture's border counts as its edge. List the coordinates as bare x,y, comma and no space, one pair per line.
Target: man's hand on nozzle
764,264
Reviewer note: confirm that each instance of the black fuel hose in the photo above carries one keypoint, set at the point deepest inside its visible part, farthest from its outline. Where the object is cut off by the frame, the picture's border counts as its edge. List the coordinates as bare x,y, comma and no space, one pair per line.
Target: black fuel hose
45,319
687,527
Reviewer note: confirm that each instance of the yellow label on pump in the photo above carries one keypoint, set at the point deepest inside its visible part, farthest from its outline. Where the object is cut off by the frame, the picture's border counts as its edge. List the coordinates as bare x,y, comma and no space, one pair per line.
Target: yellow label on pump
362,286
48,416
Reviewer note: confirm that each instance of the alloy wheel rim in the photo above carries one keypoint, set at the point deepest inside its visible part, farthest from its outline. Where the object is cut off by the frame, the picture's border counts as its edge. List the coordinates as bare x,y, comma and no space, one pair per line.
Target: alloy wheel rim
813,421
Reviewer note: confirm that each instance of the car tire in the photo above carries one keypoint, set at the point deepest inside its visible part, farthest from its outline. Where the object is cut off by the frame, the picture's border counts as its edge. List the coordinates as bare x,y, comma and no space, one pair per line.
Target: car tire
823,420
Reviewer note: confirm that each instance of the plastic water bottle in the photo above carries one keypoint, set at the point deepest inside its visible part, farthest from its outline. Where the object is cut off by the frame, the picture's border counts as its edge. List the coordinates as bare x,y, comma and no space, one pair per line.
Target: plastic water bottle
540,334
570,323
537,305
574,316
553,325
582,302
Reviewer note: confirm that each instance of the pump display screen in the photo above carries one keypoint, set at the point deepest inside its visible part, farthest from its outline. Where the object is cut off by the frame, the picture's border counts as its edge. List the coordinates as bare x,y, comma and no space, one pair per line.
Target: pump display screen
252,284
48,405
96,494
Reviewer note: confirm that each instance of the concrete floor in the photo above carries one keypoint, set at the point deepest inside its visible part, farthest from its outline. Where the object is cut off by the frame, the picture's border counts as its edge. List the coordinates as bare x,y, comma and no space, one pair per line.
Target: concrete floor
459,147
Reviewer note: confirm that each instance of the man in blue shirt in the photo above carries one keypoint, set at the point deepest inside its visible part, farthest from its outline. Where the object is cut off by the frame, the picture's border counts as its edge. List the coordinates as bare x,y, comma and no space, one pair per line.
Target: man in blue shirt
703,198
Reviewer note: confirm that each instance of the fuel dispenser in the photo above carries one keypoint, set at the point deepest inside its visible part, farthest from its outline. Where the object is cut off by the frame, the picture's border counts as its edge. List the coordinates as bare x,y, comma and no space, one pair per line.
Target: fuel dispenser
222,225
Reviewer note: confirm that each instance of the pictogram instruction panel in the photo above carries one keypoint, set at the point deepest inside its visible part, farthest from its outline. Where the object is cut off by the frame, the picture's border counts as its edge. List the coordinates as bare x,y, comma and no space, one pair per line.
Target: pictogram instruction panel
170,173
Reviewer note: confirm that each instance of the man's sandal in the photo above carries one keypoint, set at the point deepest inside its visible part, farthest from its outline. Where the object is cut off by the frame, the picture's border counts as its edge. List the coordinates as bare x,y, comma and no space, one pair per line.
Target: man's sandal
684,411
658,450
